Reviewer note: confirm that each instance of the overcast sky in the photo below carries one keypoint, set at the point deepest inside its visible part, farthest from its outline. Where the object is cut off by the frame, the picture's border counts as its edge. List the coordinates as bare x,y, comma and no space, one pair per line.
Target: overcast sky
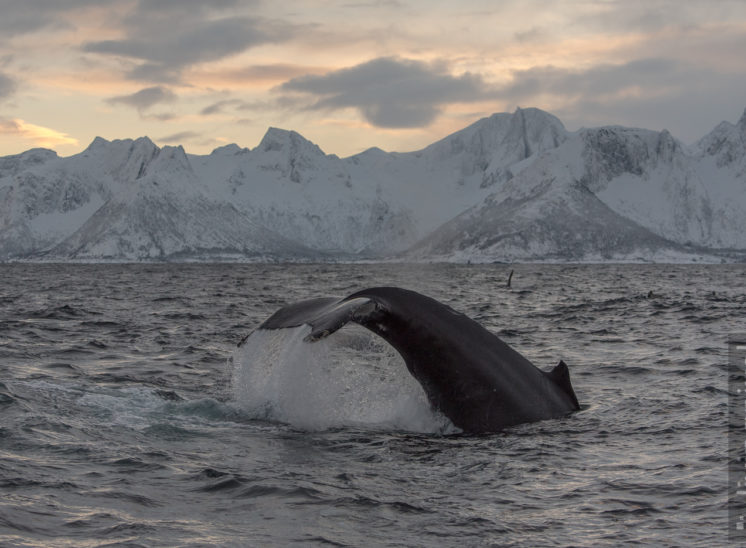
349,74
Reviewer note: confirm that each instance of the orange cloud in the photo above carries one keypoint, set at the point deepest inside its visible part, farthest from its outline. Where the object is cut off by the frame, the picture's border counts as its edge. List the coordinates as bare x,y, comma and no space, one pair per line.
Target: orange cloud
39,135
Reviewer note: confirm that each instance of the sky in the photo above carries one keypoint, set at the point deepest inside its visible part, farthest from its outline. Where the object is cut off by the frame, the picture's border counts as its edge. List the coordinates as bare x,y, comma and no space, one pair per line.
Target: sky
352,74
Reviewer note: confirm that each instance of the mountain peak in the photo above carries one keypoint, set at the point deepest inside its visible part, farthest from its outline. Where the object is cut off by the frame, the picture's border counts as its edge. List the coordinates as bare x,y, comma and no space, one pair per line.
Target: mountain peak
145,141
38,155
24,160
277,139
503,138
171,160
173,152
97,142
742,121
228,150
140,143
726,141
522,123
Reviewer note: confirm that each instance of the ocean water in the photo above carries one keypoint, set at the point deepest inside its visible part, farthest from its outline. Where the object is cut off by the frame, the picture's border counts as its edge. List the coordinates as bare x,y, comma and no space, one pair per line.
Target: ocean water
131,418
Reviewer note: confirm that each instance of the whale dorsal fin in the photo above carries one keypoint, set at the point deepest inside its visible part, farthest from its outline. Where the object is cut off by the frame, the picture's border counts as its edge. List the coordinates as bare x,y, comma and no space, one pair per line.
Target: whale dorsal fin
560,375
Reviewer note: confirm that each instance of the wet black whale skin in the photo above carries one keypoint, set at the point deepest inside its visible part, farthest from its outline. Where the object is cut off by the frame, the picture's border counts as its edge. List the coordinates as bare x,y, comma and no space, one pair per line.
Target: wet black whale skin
468,373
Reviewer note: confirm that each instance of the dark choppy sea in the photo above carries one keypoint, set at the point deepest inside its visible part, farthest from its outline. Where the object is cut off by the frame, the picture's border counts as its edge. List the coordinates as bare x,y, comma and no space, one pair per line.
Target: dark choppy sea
130,418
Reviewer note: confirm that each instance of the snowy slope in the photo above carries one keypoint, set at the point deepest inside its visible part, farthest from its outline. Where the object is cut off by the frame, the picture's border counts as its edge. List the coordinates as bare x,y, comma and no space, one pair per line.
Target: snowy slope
545,213
122,200
374,202
288,185
609,193
451,175
514,186
163,214
655,181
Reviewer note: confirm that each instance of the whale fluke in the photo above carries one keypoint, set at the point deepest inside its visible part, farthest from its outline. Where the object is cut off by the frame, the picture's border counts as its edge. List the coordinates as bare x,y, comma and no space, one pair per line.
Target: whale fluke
468,373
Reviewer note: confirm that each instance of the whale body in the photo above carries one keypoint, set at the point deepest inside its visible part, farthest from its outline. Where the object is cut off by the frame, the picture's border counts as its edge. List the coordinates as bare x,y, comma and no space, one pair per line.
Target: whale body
468,373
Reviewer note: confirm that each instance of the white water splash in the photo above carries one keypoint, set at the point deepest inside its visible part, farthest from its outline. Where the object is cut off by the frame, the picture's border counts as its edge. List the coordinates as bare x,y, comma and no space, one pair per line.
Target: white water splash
347,379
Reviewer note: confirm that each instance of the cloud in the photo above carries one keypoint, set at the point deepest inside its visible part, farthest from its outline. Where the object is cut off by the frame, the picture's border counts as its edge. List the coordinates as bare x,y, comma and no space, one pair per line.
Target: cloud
9,126
28,16
648,16
180,137
654,93
7,86
39,135
532,35
165,54
390,92
218,107
183,5
379,4
146,98
605,79
163,49
255,75
240,105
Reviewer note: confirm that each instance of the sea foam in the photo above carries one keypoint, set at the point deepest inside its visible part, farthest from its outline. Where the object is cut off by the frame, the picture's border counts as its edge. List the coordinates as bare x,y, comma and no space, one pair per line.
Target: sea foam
347,379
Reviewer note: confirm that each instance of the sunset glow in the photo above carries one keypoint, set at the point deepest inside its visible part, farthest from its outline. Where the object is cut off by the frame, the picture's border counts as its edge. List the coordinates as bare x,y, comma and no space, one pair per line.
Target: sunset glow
350,75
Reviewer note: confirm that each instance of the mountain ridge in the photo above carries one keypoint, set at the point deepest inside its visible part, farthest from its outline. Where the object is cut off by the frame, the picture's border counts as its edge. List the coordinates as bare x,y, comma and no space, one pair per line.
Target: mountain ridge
509,187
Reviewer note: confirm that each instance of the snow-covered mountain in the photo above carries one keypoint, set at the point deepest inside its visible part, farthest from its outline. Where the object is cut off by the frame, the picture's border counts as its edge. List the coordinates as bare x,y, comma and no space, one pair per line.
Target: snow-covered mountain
509,187
289,186
122,200
610,193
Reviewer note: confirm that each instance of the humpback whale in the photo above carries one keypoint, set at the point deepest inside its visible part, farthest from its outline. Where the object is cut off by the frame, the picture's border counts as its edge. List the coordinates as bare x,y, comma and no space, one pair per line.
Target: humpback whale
468,373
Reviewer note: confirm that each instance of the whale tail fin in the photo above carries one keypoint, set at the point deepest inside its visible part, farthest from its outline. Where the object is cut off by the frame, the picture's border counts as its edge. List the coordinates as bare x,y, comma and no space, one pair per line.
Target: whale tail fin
324,315
560,375
352,310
